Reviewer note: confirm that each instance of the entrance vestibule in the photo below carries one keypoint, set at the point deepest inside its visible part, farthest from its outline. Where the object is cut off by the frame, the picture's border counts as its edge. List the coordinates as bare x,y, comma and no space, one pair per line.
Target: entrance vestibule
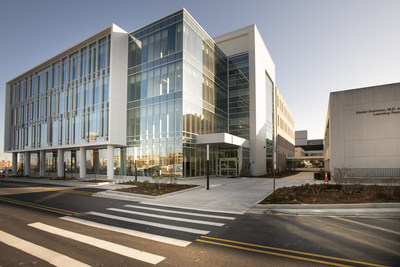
228,166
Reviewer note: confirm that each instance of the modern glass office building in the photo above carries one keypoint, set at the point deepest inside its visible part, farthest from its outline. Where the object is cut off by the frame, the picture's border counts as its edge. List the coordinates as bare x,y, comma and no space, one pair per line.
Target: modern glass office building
155,96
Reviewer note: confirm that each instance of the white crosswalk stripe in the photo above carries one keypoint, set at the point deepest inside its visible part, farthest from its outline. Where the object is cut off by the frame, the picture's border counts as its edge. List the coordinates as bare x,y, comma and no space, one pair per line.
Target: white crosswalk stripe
185,208
167,217
105,245
40,252
159,217
158,238
181,212
169,225
159,225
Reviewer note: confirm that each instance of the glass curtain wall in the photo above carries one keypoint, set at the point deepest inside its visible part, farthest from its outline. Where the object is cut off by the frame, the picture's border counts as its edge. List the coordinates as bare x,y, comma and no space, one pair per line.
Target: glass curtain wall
102,169
269,87
50,164
20,162
65,103
177,89
71,159
154,104
239,103
119,162
34,168
239,96
205,105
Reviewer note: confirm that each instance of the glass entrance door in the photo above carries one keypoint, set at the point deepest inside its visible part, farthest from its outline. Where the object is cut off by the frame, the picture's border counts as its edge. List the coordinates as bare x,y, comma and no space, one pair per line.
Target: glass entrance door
228,167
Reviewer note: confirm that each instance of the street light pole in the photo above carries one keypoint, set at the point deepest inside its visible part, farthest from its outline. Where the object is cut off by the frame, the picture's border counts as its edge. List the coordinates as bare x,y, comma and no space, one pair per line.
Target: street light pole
208,167
135,158
273,170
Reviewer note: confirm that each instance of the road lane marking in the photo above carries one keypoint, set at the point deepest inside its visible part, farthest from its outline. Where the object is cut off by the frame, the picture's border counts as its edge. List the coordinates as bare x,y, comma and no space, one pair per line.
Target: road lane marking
273,253
78,192
38,206
109,246
40,252
158,238
183,213
167,217
367,225
70,190
159,225
185,208
281,249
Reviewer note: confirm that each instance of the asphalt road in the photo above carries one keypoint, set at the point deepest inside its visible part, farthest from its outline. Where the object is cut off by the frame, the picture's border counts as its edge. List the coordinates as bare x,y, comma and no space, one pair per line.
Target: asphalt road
82,229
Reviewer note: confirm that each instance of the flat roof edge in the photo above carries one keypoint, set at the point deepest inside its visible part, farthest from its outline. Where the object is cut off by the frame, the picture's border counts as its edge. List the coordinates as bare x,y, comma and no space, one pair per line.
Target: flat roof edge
62,54
222,138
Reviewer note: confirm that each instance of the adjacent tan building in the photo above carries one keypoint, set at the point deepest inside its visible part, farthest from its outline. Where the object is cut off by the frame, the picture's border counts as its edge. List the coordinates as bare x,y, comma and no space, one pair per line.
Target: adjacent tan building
285,133
362,132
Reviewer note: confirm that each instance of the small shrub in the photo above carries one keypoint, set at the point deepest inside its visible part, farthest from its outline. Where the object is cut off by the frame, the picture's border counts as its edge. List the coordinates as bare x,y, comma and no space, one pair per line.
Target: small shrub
316,189
336,195
320,175
388,191
317,176
370,192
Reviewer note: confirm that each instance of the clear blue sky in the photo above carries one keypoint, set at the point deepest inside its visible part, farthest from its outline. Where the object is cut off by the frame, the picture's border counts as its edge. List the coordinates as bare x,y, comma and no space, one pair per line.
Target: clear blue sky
317,46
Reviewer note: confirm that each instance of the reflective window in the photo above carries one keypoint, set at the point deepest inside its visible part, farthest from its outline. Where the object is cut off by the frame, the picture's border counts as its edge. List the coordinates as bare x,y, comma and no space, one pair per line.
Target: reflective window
61,102
158,117
156,45
92,58
78,134
83,62
78,98
239,96
74,65
43,135
94,126
269,90
102,54
64,71
54,140
86,96
54,75
105,89
96,92
67,99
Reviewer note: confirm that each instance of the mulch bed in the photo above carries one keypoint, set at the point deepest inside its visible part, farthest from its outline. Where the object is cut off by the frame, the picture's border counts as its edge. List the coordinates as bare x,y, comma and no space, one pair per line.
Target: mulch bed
334,194
278,175
60,178
153,189
96,181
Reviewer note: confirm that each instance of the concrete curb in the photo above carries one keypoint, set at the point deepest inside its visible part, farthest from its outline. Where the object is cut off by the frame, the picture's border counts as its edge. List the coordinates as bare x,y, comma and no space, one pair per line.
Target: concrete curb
362,210
329,206
125,195
51,182
361,213
72,183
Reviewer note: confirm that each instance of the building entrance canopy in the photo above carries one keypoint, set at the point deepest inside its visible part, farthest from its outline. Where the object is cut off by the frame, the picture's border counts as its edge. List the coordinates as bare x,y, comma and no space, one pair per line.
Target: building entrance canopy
226,166
223,139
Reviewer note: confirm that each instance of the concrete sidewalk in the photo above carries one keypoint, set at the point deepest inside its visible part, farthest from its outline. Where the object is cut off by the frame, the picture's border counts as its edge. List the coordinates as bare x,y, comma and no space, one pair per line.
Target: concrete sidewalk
236,195
367,210
228,194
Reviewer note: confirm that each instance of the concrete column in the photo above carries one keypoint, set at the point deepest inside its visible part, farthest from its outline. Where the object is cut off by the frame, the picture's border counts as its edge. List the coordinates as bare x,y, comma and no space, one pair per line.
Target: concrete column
14,162
123,161
110,162
96,161
27,163
60,163
42,159
240,156
82,162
